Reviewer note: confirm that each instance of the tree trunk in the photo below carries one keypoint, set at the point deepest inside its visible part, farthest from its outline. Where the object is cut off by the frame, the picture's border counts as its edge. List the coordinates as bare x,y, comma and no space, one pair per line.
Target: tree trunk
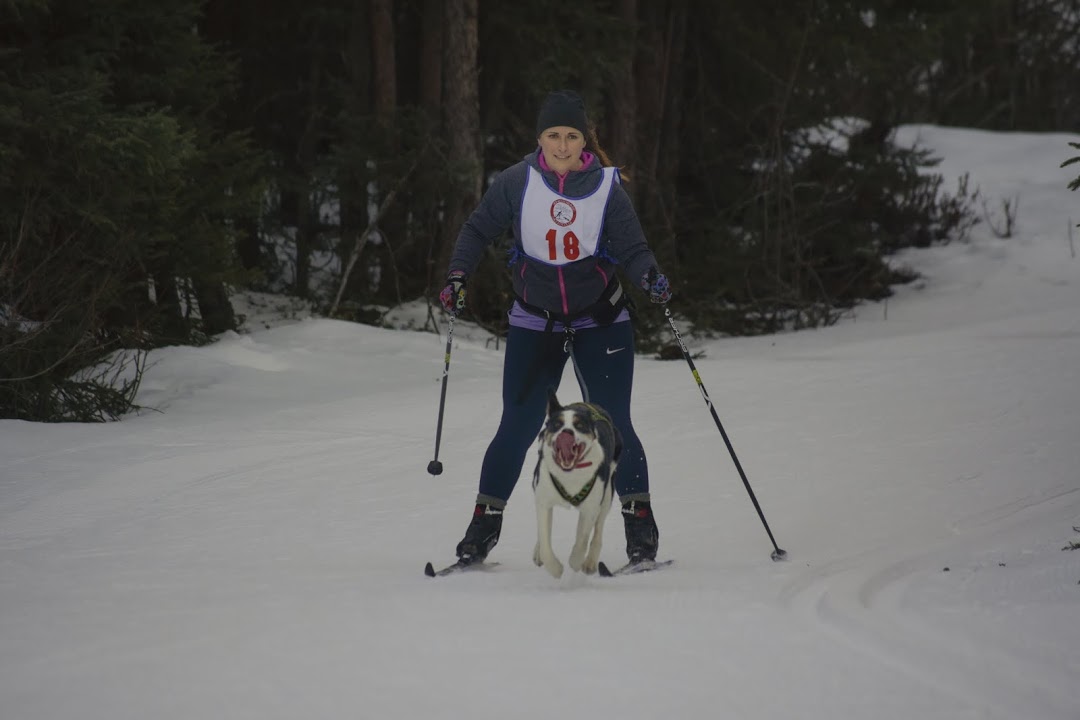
431,50
172,328
659,95
306,149
624,108
461,109
358,60
360,95
385,68
249,244
215,308
667,166
650,95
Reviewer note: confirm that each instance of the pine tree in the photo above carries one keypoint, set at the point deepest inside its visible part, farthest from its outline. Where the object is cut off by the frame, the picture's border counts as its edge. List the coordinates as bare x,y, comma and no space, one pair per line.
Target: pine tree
106,210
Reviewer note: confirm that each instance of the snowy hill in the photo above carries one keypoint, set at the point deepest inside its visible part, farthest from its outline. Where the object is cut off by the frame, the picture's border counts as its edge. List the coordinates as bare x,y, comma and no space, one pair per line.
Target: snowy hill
255,550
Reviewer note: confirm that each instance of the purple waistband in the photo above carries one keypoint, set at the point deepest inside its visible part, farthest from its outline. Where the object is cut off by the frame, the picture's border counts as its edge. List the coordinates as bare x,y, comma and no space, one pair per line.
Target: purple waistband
522,318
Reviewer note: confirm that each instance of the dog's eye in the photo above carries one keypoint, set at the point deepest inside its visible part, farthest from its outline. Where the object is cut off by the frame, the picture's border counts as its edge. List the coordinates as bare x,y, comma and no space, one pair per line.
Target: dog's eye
580,424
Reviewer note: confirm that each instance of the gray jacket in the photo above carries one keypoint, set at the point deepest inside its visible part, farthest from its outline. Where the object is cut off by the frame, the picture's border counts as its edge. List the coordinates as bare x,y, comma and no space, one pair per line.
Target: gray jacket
564,289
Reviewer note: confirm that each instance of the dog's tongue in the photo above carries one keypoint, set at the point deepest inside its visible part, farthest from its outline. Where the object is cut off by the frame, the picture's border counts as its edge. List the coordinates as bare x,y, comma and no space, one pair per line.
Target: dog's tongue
566,450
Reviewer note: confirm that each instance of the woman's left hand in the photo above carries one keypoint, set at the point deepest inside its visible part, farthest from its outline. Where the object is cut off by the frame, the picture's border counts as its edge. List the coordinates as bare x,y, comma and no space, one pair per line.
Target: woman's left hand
656,284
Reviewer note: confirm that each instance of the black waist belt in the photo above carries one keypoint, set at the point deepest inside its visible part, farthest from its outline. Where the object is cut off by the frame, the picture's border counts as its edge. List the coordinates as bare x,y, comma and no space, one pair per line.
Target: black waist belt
604,311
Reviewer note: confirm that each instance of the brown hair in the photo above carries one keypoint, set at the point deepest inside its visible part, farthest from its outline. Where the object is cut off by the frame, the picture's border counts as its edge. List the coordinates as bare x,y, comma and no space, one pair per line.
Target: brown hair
594,145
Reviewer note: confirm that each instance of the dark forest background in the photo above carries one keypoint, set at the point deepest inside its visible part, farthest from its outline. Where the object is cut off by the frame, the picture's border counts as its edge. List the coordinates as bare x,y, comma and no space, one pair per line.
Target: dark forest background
158,155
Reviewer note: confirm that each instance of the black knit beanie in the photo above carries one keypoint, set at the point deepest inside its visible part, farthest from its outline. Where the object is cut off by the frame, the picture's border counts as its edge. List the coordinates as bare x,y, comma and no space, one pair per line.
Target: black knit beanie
562,108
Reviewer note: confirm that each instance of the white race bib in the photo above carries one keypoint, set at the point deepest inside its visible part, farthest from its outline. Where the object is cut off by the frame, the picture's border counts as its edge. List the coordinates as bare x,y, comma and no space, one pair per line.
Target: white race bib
558,230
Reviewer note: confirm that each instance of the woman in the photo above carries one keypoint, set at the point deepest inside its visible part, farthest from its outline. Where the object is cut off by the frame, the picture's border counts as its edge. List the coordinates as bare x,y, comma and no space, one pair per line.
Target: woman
572,223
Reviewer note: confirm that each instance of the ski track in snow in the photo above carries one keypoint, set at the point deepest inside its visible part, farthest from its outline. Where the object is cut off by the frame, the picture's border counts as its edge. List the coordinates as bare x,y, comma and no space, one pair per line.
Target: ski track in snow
871,604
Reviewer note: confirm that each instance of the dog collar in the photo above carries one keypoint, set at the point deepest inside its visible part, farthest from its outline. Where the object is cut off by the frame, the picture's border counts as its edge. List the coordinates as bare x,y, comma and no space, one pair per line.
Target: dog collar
582,494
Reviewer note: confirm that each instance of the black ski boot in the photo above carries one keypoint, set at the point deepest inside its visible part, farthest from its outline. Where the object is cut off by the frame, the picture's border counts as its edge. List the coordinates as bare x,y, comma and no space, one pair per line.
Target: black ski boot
642,535
482,533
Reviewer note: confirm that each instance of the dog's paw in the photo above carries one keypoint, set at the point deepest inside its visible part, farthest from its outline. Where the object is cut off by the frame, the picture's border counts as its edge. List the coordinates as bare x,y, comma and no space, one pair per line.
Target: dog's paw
592,558
539,561
555,568
580,555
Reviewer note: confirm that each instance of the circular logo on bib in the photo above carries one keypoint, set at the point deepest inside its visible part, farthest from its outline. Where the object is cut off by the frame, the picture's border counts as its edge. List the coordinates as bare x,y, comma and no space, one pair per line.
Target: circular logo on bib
563,212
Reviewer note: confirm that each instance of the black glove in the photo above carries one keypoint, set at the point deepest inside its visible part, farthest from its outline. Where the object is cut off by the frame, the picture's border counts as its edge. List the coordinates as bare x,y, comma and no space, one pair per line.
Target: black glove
452,297
656,284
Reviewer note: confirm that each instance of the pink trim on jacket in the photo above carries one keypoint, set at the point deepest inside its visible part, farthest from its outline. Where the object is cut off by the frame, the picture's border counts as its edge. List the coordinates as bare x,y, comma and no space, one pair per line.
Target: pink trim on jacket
586,160
562,293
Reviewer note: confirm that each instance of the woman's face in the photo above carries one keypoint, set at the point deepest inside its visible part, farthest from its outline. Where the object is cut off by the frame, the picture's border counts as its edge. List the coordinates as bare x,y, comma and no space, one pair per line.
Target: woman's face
562,147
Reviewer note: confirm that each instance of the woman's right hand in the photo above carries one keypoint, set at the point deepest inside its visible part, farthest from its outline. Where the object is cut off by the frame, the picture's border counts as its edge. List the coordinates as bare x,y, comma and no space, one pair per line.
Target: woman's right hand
452,297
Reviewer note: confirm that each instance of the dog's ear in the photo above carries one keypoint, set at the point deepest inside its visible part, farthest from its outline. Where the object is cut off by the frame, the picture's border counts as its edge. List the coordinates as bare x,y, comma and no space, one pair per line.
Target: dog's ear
553,405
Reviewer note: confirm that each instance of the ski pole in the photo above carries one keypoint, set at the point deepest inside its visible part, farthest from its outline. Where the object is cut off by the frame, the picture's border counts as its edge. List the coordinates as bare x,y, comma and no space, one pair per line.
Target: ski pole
435,467
777,553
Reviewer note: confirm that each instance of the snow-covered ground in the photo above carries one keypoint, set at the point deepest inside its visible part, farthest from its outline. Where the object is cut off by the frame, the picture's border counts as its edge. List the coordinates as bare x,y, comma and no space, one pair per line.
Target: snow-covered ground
255,549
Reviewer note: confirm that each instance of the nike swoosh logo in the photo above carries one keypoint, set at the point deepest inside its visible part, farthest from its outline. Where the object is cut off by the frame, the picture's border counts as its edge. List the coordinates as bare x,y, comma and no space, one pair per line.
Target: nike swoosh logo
612,352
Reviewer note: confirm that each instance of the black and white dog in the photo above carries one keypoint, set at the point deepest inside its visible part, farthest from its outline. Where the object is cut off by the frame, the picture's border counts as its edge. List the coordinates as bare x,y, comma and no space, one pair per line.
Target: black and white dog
579,451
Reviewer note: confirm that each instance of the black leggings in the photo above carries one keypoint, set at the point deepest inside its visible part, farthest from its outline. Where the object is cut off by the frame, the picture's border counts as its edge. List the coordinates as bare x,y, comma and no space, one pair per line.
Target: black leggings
534,362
